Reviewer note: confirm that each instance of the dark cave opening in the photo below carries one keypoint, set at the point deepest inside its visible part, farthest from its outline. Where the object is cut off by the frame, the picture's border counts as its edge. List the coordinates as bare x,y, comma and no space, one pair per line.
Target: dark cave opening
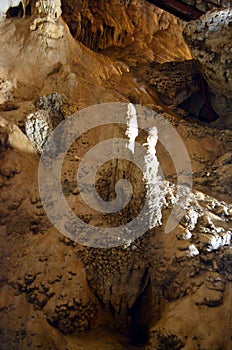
198,104
140,314
196,108
17,11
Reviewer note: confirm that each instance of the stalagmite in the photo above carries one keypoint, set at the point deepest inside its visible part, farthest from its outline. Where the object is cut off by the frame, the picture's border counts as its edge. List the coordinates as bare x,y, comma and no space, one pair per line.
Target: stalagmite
132,130
154,185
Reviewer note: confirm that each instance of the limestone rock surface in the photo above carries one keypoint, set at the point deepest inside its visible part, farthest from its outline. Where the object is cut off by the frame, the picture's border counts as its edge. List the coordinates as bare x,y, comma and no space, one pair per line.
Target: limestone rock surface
39,125
209,39
129,25
49,9
161,291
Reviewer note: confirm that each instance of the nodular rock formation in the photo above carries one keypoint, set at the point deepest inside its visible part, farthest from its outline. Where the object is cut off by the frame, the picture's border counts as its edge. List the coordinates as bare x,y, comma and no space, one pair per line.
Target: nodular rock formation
161,291
209,41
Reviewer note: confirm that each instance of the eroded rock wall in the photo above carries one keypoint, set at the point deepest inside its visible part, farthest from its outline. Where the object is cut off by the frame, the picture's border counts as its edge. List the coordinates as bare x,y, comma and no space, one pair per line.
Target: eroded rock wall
124,24
50,9
209,39
160,289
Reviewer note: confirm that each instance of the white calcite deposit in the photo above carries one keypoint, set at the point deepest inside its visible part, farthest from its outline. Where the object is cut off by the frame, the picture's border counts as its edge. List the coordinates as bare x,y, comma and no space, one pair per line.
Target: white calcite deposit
154,184
132,126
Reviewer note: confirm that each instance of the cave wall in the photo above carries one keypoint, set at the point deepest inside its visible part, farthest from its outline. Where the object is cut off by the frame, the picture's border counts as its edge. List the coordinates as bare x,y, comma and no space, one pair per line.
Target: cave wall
133,23
209,39
53,286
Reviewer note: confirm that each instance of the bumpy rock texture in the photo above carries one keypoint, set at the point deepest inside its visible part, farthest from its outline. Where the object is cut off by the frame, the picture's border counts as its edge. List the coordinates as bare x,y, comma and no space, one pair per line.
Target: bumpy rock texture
139,26
209,39
40,124
156,289
162,291
49,9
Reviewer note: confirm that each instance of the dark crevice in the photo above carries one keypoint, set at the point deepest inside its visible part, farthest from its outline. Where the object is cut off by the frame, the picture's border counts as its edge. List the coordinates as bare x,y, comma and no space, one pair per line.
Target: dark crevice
140,317
17,11
195,106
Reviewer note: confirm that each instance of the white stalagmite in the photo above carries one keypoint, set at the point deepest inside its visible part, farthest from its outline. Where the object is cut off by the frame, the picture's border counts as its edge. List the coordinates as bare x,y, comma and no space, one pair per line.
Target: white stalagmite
132,126
154,184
